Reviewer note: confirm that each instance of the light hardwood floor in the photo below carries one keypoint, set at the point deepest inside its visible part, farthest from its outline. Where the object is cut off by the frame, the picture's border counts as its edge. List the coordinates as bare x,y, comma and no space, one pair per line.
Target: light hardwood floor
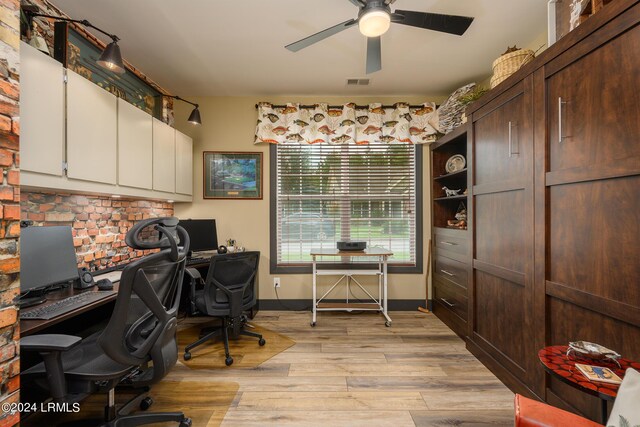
350,370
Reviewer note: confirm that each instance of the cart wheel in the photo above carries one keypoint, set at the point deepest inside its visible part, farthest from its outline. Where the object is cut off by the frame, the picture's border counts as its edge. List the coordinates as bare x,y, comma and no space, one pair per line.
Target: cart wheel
313,324
186,422
261,342
387,324
187,356
228,361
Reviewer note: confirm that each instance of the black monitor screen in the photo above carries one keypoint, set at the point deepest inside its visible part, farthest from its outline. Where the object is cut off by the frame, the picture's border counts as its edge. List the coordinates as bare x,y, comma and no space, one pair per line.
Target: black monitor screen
47,257
202,233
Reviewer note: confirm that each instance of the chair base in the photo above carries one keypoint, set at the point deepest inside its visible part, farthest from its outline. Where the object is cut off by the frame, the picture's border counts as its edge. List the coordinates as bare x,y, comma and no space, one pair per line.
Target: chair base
208,334
123,417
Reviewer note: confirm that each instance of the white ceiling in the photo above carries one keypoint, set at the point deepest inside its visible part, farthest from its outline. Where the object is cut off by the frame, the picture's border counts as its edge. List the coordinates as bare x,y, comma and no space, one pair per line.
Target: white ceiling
236,47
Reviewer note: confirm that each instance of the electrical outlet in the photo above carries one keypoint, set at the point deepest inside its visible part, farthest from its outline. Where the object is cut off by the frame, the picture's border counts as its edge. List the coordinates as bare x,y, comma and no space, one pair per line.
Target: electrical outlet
276,282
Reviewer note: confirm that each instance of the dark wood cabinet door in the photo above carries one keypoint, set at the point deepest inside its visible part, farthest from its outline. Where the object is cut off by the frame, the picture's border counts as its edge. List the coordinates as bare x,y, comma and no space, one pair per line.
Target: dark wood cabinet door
503,242
501,151
593,105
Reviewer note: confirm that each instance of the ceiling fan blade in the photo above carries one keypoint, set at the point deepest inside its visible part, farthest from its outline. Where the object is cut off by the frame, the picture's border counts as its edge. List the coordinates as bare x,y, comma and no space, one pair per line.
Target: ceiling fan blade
315,38
374,55
358,3
451,24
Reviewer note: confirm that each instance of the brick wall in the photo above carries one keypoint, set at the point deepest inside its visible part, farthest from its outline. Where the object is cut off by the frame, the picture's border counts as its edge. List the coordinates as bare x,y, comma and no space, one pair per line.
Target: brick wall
99,224
9,206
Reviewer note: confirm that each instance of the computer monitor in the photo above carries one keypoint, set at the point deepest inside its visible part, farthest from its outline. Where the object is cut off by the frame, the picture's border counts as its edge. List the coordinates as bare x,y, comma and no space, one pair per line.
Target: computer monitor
47,257
202,234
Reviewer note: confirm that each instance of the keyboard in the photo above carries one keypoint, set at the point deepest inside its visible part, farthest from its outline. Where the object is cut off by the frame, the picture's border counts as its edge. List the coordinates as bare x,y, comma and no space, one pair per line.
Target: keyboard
66,305
197,260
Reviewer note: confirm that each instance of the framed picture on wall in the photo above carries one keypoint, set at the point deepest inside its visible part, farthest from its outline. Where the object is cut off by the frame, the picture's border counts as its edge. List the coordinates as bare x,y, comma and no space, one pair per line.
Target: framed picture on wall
232,175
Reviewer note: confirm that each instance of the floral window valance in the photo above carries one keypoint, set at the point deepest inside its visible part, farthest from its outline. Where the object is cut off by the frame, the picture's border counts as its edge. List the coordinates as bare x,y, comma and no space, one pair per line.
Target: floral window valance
348,124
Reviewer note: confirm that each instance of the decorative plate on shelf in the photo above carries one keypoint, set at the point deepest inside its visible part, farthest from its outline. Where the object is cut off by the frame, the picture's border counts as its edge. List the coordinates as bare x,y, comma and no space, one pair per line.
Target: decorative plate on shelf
455,163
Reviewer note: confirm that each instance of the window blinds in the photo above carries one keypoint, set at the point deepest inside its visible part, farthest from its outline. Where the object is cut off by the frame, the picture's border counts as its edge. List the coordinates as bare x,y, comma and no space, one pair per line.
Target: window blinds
327,193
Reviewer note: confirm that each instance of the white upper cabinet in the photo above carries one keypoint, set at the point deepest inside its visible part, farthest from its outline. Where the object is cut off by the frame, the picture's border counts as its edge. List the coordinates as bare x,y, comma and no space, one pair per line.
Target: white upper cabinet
184,164
164,157
41,112
92,131
135,146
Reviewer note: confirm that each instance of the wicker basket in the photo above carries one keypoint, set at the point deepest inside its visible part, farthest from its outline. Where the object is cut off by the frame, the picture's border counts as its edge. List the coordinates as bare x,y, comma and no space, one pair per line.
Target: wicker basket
508,64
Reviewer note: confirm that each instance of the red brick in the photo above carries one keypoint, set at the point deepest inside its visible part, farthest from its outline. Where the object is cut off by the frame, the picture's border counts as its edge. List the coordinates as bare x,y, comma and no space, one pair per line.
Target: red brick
9,89
5,123
15,126
8,296
77,241
8,316
10,369
6,193
10,265
7,352
79,224
11,212
35,216
46,207
88,258
13,177
6,157
10,420
13,230
12,385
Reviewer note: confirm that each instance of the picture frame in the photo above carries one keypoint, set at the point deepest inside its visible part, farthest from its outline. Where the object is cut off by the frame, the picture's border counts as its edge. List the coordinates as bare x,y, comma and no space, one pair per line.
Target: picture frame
232,175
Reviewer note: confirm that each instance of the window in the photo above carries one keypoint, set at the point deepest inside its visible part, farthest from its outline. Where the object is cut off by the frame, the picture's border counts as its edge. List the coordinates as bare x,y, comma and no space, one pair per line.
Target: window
321,194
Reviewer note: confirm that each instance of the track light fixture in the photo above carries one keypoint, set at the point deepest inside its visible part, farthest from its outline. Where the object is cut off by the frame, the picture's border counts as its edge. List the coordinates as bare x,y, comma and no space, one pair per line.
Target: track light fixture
111,58
194,117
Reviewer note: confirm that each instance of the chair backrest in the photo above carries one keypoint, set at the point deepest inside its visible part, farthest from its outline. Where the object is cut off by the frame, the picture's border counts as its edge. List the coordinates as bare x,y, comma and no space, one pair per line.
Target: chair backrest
143,325
232,280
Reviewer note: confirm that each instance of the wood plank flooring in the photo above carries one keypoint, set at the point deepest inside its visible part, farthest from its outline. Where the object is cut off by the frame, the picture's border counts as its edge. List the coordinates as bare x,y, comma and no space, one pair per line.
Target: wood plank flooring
350,370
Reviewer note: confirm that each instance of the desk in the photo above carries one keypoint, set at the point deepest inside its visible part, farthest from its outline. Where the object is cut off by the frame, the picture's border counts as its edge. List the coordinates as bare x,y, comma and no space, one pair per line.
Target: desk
557,363
31,326
379,304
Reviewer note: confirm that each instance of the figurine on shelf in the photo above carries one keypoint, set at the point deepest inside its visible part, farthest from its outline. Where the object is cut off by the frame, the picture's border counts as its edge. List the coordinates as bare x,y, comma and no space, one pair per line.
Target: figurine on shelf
451,193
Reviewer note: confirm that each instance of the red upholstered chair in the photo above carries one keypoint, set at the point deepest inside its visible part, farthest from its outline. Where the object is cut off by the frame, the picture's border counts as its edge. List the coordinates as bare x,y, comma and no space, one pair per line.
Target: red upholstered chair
531,413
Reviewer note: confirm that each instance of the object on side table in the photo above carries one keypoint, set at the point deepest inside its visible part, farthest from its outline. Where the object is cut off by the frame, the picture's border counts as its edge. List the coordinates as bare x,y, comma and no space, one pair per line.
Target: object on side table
592,351
598,374
351,246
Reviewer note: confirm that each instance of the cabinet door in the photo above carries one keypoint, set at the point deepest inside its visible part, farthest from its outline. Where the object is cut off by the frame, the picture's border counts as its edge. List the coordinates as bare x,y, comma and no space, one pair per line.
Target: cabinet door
503,241
594,113
184,164
135,146
41,112
164,157
500,157
92,131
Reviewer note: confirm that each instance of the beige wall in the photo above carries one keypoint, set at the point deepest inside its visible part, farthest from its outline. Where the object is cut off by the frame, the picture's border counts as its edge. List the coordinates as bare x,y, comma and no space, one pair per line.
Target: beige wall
229,125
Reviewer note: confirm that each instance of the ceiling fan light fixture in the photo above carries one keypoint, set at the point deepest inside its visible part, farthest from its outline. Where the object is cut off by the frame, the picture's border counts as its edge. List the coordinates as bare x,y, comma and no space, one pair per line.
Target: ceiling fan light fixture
374,23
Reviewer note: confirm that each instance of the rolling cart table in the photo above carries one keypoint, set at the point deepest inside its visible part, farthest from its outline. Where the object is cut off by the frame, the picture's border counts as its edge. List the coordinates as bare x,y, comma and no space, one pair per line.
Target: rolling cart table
375,304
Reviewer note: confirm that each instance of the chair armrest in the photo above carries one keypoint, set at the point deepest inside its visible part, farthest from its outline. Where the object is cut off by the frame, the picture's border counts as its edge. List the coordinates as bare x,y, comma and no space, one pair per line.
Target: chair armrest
49,342
531,413
193,273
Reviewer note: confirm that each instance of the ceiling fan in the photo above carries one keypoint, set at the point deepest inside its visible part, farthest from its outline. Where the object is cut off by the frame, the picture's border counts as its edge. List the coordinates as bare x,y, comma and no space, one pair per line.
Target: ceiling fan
375,18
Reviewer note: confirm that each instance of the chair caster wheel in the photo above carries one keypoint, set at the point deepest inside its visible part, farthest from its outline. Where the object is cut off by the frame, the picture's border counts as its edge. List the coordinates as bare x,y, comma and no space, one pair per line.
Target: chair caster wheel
186,422
387,324
313,324
228,361
187,356
146,403
261,342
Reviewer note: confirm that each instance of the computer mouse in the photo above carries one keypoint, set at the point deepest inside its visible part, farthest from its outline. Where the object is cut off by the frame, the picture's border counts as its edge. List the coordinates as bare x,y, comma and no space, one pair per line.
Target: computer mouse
104,285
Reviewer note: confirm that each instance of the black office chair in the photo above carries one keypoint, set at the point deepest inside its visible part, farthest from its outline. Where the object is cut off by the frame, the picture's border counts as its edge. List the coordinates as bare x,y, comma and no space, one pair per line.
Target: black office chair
229,290
141,331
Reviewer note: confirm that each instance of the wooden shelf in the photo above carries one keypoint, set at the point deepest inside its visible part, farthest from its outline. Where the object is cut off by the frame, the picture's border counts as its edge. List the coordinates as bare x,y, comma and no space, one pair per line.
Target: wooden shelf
449,175
462,197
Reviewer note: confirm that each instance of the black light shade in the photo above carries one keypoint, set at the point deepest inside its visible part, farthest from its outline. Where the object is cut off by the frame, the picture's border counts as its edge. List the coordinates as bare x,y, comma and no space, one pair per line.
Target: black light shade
194,117
111,59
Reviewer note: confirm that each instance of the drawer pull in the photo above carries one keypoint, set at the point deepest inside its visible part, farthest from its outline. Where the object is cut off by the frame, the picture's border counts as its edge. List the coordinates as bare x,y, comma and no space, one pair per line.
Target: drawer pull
449,243
447,302
448,273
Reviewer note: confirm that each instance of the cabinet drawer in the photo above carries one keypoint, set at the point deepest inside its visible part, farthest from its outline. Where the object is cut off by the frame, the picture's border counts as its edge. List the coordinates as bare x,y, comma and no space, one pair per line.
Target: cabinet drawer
452,270
449,296
453,244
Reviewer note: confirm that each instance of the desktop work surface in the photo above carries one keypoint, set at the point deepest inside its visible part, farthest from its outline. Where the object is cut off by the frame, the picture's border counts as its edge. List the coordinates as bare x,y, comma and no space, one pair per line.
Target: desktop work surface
32,326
